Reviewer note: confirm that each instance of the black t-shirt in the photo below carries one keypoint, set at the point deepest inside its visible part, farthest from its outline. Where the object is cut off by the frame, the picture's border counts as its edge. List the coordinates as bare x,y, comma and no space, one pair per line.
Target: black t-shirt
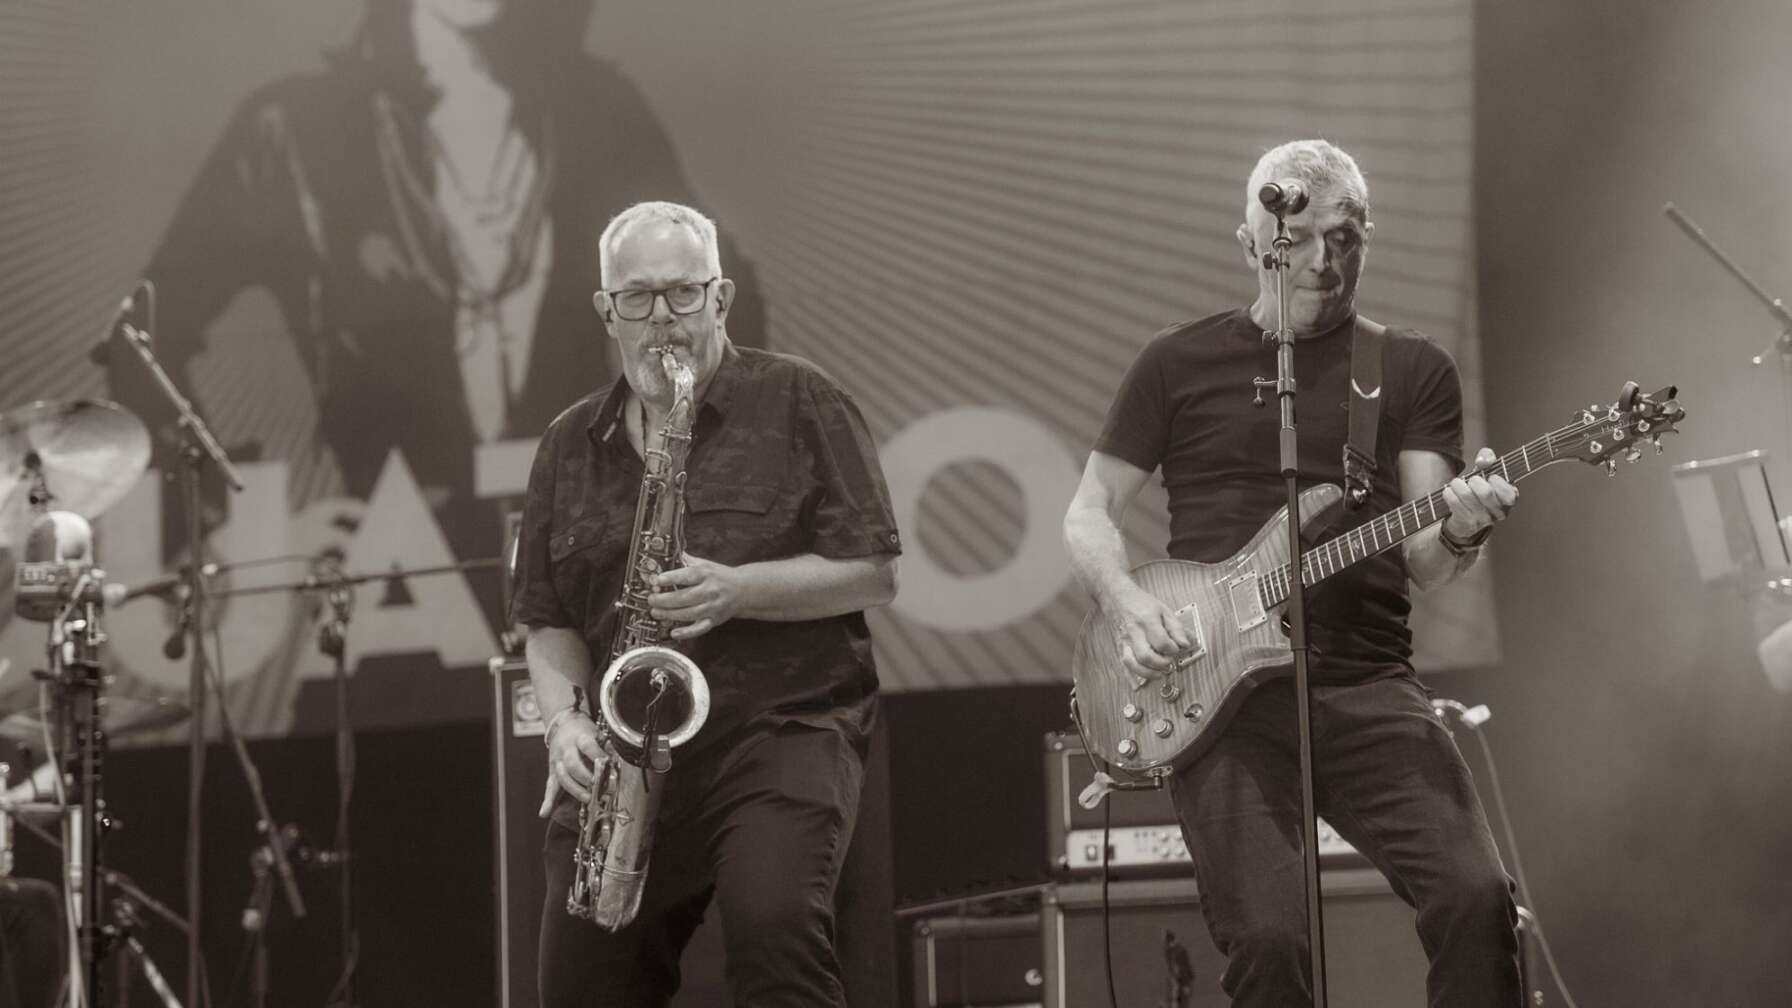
1186,406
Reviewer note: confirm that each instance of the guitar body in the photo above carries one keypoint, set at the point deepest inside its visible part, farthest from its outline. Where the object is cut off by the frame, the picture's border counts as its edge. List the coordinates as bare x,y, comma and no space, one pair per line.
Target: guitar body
1170,720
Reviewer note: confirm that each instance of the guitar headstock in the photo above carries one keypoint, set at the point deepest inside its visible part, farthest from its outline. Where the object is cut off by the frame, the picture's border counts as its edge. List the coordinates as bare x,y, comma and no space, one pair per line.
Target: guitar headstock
1600,435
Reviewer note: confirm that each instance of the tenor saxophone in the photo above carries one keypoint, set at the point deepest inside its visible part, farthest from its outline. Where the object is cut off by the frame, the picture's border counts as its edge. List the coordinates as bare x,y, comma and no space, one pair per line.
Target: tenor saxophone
616,825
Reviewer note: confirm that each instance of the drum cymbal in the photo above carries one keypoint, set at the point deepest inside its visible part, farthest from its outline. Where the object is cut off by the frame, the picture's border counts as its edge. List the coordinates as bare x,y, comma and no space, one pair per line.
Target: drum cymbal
89,453
121,715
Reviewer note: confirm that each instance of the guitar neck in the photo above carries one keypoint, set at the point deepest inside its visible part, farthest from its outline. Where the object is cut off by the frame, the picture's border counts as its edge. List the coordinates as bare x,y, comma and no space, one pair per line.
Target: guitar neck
1384,532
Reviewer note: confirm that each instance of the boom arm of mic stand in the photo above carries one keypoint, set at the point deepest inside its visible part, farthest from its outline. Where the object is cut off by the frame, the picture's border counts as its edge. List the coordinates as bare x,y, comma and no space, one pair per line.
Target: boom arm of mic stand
139,341
1775,306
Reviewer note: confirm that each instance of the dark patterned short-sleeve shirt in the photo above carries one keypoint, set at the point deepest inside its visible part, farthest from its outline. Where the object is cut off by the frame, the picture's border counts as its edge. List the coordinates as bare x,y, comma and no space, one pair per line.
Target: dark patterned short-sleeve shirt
781,464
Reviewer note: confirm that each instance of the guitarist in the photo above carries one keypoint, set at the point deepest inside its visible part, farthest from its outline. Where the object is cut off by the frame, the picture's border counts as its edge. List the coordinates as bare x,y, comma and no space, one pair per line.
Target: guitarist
1387,775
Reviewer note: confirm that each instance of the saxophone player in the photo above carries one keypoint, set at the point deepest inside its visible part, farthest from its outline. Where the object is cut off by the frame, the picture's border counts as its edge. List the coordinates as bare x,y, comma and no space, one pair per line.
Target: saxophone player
789,536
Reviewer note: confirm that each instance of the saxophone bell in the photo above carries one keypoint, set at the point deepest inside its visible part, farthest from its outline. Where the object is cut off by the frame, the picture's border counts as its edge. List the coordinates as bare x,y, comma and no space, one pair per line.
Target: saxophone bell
665,668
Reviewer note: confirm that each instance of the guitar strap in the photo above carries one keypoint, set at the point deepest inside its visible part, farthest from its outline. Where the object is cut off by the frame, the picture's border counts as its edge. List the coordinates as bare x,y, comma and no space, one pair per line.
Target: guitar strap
1365,410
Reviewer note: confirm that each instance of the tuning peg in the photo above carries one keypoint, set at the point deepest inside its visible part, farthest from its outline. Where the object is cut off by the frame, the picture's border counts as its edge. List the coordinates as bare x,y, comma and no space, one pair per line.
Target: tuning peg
1611,467
1633,454
1656,441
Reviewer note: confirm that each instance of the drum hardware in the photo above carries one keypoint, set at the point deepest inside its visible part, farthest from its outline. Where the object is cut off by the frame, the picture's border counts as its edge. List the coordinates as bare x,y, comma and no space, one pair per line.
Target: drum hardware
61,463
127,919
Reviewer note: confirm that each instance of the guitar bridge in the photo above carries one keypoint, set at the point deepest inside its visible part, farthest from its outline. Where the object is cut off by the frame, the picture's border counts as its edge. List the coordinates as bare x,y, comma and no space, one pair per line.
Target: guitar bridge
1247,602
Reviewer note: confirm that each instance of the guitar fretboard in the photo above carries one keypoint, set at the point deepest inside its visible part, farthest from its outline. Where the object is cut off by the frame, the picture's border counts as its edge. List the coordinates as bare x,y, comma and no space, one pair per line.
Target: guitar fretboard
1389,530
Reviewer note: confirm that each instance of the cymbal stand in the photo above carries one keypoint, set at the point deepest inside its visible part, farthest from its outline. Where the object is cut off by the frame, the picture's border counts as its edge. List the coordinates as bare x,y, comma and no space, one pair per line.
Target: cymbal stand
198,446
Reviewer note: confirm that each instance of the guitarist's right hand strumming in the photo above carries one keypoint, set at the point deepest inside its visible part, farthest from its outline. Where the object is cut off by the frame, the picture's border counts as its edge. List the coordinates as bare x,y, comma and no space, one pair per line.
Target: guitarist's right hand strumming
1148,631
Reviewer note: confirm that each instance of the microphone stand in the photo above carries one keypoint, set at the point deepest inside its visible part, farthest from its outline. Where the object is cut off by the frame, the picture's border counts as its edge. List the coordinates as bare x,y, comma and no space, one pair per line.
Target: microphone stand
197,447
332,641
1297,599
1775,307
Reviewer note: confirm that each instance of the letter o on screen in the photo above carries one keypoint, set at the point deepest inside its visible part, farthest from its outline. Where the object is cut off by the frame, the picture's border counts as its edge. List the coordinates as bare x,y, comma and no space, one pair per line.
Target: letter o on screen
1046,474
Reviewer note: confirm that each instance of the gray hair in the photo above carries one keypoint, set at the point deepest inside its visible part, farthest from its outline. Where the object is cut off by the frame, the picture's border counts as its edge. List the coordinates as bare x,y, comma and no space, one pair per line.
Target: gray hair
1322,165
654,210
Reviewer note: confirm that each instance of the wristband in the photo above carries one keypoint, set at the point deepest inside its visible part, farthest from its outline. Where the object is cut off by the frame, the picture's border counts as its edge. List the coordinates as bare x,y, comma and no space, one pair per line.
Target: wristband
547,735
1462,547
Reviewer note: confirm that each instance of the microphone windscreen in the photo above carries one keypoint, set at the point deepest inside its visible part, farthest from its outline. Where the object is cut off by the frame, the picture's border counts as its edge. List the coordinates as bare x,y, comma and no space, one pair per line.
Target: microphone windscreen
59,537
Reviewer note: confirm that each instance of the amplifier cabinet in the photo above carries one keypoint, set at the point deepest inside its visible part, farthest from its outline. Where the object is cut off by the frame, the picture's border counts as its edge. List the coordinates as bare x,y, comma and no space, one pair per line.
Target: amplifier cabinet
1373,957
520,772
978,962
1143,835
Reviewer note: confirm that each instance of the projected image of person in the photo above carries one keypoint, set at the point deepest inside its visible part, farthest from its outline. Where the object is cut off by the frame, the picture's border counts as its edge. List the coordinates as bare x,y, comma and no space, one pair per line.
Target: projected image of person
424,213
789,537
1387,774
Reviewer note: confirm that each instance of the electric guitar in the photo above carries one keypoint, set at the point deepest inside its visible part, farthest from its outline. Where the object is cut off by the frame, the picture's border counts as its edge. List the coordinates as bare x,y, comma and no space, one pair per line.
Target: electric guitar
1233,609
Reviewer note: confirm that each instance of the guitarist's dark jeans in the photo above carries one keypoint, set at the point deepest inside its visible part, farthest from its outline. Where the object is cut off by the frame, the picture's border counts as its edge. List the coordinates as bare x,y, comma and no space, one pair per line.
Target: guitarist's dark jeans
1390,779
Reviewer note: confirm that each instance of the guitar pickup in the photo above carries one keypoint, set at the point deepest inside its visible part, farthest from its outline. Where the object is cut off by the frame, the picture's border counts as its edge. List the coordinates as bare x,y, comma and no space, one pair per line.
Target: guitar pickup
1247,603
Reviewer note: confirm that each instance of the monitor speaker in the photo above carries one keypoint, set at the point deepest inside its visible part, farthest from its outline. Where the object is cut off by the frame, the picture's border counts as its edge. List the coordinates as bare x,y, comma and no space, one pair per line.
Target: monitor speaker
1373,957
978,962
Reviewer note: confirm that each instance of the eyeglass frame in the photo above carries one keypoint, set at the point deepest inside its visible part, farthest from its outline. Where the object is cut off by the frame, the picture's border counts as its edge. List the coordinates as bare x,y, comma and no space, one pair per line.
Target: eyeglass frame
659,293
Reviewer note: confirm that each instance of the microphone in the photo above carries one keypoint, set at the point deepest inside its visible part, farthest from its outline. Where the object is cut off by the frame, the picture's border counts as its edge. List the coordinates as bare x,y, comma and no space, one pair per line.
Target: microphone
58,549
102,351
1283,196
175,647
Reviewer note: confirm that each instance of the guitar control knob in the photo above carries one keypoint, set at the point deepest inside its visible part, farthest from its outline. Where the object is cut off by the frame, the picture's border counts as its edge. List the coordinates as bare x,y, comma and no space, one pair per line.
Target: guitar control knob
1131,712
1170,691
1162,727
1195,712
1127,748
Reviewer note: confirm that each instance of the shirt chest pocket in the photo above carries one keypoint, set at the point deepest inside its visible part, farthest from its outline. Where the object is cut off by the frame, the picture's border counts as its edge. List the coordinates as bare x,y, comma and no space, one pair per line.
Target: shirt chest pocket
579,554
736,523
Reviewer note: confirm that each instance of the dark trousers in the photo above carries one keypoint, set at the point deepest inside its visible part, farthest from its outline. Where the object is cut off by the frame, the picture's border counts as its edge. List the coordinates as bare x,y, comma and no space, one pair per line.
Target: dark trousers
31,949
763,828
1389,778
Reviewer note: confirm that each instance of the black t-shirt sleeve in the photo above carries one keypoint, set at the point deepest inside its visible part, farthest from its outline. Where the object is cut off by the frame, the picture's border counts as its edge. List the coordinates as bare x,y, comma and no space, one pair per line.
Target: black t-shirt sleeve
534,601
851,514
1137,428
1434,419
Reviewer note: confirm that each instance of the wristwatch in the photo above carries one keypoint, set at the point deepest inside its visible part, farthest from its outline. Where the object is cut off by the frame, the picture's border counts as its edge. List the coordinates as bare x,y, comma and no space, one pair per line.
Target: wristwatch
1458,547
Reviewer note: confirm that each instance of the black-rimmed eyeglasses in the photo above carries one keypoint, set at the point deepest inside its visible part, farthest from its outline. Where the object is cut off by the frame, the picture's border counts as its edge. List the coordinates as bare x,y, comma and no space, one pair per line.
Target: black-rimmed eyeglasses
635,305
